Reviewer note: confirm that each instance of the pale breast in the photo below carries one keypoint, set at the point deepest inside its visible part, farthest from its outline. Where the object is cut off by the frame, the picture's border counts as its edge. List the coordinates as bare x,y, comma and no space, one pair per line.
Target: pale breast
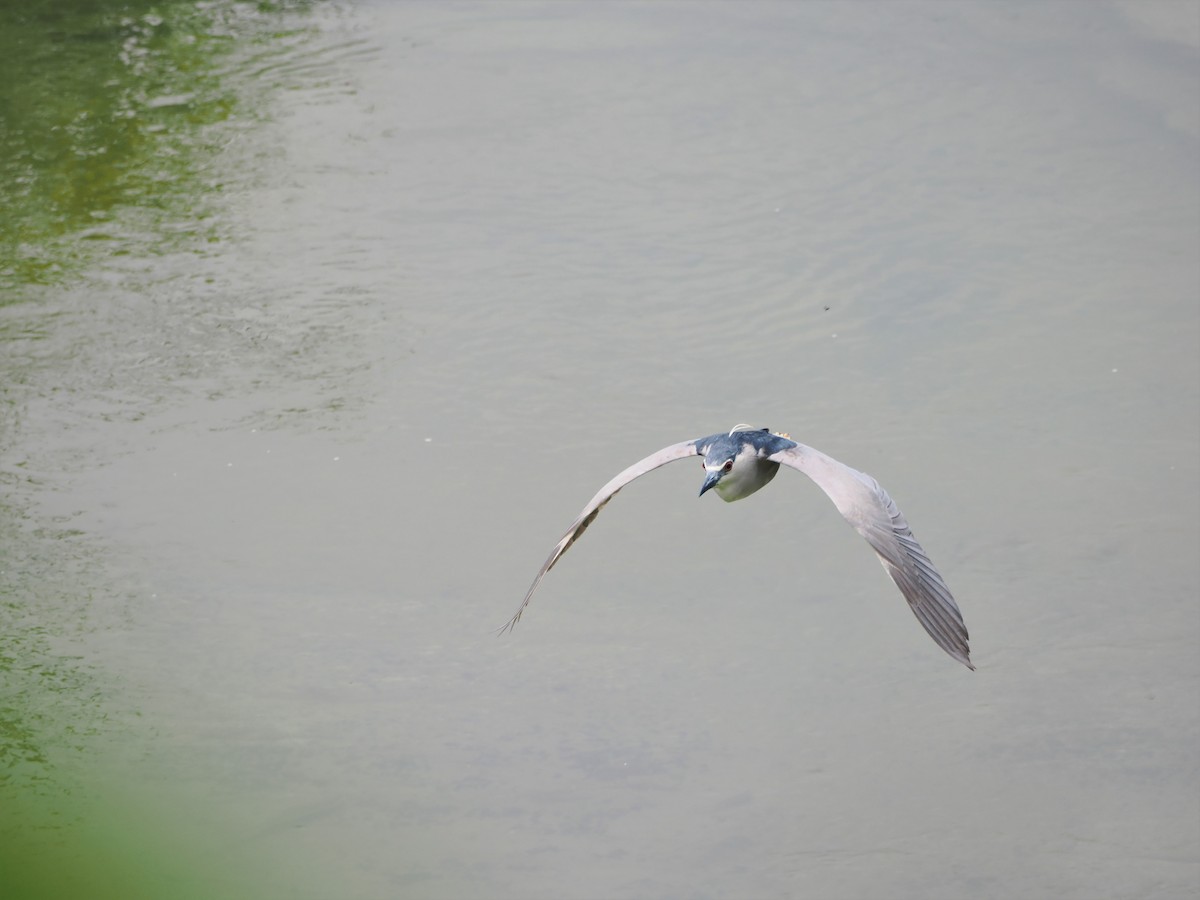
749,473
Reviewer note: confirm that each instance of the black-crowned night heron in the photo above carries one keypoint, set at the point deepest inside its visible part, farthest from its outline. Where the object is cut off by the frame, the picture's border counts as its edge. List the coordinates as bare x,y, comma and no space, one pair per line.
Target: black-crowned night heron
740,462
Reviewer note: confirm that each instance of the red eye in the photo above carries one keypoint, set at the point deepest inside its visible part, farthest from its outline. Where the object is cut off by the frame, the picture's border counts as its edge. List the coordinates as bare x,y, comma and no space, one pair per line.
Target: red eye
728,465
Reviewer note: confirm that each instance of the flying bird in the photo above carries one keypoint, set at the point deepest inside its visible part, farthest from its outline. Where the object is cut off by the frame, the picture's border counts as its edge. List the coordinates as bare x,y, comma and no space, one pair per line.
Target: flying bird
740,462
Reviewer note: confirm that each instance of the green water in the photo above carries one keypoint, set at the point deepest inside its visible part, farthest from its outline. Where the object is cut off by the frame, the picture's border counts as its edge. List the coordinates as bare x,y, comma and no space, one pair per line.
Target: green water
112,116
107,114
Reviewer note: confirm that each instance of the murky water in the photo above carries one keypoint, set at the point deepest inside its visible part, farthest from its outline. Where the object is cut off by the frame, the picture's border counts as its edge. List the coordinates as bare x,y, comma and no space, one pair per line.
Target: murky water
322,321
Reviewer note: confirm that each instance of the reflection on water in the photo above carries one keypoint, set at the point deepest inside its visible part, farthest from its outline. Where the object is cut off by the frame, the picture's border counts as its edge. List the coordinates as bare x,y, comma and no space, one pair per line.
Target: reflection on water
117,127
105,115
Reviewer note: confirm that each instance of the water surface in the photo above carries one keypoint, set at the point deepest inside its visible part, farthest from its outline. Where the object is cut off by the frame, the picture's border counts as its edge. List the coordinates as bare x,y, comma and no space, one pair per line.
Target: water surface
298,399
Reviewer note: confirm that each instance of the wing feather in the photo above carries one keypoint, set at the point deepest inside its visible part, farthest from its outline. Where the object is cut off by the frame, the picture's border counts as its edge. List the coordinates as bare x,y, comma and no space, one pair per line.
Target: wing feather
585,518
874,514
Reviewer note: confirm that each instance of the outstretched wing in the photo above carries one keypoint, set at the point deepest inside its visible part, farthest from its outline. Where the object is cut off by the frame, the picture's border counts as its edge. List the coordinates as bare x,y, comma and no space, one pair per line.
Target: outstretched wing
874,515
606,493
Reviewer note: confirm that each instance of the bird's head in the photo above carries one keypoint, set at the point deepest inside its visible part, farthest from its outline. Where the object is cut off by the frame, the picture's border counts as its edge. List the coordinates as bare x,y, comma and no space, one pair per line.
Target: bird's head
720,458
717,464
735,463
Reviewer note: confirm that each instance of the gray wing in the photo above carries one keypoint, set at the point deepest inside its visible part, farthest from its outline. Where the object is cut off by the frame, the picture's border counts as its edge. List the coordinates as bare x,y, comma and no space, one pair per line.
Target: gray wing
606,493
874,515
